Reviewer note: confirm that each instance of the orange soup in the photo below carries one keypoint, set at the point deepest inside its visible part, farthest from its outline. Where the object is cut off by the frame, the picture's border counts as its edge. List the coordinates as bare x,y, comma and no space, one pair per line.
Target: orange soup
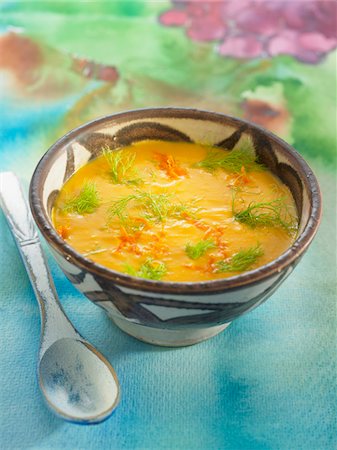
175,211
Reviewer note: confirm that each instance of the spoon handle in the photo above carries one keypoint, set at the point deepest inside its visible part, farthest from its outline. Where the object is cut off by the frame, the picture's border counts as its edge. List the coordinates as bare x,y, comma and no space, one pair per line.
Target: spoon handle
54,322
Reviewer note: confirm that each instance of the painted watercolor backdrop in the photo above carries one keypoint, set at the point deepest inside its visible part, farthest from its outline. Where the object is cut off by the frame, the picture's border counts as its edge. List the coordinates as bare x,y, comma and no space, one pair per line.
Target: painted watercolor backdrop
268,382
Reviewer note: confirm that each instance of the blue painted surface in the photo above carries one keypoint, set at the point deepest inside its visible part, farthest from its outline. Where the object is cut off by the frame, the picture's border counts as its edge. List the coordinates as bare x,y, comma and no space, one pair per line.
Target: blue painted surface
266,382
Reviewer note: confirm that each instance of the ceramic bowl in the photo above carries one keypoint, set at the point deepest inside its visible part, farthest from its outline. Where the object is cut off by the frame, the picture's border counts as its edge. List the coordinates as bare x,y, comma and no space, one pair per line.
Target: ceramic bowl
169,313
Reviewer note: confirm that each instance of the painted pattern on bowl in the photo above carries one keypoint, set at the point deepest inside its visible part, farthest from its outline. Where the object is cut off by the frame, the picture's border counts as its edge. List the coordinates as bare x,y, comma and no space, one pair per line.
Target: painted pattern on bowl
168,313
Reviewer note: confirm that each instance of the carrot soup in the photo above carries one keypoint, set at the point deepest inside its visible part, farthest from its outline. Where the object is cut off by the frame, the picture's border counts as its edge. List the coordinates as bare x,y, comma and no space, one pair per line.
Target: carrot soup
176,211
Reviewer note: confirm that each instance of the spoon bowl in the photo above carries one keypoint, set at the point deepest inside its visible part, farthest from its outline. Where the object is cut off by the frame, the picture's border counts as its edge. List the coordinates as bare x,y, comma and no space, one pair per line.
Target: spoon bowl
77,382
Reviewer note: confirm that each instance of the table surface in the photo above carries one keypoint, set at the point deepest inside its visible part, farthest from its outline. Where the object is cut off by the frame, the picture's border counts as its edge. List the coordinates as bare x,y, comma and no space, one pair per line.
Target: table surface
268,381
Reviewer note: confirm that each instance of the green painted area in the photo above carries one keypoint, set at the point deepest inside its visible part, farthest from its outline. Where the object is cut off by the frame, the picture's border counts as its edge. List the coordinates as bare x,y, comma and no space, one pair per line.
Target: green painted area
161,66
311,102
118,7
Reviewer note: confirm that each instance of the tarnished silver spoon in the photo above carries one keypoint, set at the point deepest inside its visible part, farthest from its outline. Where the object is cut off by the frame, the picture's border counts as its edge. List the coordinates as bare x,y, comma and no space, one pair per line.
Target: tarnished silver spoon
77,382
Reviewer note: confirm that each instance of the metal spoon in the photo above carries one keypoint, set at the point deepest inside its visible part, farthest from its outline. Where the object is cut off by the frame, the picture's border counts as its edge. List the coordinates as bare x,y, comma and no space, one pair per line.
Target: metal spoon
78,383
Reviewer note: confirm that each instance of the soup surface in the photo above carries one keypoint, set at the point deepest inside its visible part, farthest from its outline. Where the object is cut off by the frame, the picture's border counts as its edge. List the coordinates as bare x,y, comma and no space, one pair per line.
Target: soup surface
176,211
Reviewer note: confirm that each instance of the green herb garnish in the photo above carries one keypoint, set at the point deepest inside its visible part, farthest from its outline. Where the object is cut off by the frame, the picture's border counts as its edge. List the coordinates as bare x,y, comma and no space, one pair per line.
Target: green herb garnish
199,249
232,161
156,207
118,208
86,202
121,166
150,269
241,261
273,214
181,210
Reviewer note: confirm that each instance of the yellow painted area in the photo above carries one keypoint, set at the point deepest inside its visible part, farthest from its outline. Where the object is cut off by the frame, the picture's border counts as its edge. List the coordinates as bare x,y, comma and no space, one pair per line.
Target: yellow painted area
206,214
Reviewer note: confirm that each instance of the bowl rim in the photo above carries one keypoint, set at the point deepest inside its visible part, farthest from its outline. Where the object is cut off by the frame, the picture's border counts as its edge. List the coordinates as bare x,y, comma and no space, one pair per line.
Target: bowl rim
250,278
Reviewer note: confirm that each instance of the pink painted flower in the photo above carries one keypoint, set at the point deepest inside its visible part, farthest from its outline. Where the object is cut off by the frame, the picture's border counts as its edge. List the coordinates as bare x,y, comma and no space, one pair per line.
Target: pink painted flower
174,18
308,47
241,47
305,29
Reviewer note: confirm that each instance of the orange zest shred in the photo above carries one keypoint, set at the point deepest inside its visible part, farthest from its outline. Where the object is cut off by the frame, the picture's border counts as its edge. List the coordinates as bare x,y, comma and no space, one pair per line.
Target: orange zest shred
143,221
195,267
216,232
209,267
197,223
239,180
129,241
244,176
63,231
211,263
158,248
168,164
